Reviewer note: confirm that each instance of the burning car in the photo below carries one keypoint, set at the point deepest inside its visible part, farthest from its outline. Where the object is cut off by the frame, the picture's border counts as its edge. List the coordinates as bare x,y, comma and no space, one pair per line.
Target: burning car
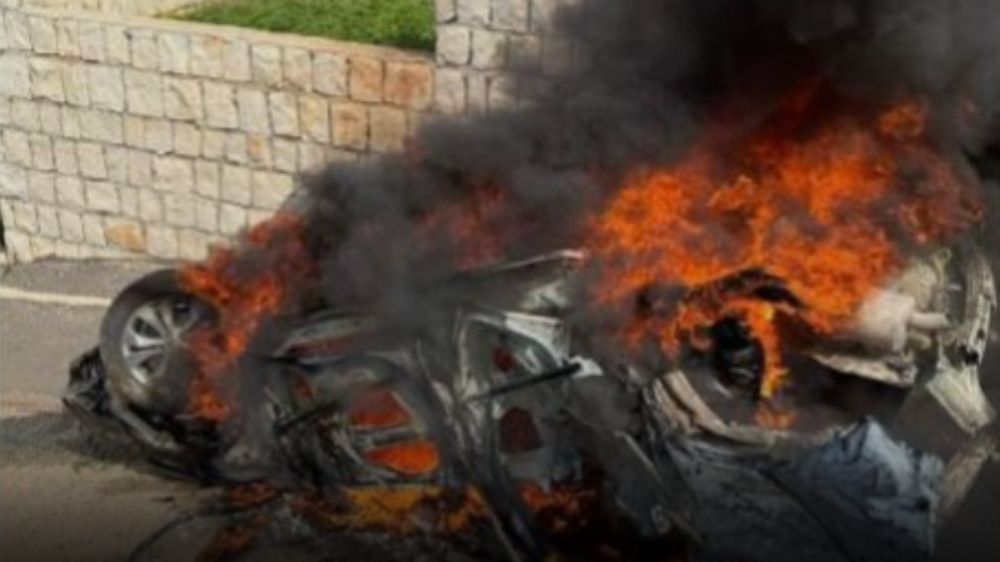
495,394
720,284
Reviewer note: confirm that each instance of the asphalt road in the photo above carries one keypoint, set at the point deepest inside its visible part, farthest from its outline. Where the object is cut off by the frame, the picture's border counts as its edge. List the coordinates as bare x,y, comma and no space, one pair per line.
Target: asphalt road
63,499
60,499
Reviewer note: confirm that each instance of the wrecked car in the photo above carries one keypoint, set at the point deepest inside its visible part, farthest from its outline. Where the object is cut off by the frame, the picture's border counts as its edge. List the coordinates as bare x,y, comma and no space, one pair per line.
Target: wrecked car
497,393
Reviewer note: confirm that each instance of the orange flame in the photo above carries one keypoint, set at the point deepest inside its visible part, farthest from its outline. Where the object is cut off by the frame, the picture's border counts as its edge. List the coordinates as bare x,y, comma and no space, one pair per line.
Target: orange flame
242,293
829,212
402,510
381,409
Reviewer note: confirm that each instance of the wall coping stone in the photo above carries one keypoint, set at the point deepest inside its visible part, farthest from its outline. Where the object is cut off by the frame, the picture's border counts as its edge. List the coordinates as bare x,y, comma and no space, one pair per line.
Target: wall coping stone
253,36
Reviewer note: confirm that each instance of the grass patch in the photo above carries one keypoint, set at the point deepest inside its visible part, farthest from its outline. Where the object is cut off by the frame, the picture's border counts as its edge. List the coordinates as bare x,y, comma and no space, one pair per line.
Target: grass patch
407,24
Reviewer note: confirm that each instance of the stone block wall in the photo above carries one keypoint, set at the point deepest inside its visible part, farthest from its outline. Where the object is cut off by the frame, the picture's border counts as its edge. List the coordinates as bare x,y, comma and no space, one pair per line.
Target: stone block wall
122,135
128,136
480,43
123,7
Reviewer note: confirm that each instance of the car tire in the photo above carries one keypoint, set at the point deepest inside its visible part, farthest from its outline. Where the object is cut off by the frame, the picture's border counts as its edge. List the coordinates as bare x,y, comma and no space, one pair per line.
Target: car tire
143,343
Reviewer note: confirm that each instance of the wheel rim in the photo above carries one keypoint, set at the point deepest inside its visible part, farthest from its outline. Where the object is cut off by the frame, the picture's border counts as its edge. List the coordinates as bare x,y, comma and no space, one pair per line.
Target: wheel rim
154,332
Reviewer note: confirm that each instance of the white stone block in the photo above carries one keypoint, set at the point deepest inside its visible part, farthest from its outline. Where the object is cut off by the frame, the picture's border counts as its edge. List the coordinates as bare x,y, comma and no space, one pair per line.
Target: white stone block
130,201
510,15
158,135
4,46
50,119
69,192
236,60
75,84
192,245
183,99
140,169
207,179
92,41
48,221
312,158
314,113
16,77
213,144
70,226
236,185
93,230
43,35
24,114
187,139
207,216
232,219
175,53
107,88
116,42
102,126
25,216
286,155
13,181
65,157
253,111
145,52
236,149
68,38
19,247
266,65
17,147
259,151
42,248
144,93
161,241
454,45
90,156
41,186
180,209
70,122
116,158
297,68
208,56
41,152
270,189
488,49
18,31
173,175
101,196
284,113
473,12
445,11
330,74
220,106
449,91
150,206
5,110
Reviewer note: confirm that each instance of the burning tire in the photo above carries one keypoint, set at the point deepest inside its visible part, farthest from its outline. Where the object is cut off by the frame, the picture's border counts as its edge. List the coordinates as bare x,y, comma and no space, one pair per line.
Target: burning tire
143,343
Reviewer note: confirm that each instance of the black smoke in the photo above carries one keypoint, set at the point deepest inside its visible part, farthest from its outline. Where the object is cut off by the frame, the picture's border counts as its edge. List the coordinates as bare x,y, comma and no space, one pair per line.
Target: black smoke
649,76
648,79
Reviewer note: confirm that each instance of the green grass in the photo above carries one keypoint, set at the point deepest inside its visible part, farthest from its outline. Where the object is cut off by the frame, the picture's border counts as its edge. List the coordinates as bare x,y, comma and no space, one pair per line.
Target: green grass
407,24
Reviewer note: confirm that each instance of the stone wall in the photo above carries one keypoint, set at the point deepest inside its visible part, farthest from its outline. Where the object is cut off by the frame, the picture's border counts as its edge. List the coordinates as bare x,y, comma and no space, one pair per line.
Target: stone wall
481,42
123,7
123,136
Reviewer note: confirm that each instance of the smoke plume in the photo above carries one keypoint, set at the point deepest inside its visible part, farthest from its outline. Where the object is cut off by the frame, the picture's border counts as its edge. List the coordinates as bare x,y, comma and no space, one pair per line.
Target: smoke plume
648,78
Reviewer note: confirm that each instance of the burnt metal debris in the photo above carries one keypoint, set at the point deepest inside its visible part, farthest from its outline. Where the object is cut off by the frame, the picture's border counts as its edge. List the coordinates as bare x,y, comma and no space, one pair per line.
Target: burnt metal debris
506,394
